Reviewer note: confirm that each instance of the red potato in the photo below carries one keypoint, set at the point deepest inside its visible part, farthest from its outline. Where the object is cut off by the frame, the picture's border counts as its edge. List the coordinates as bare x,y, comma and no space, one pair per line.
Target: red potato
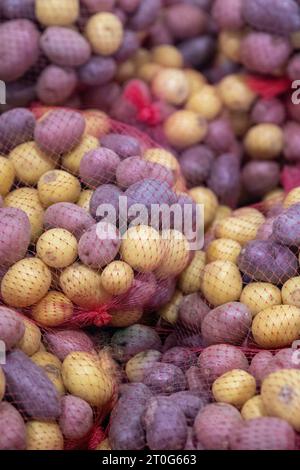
268,110
192,311
76,418
140,293
266,229
180,357
263,434
215,360
96,6
15,234
98,167
12,327
68,216
285,359
165,379
259,364
214,425
16,127
62,343
99,245
12,428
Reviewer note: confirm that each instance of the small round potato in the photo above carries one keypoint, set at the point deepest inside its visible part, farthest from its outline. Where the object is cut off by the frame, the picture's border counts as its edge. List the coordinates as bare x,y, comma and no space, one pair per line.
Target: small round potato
223,249
99,245
176,254
30,343
205,102
235,93
196,80
14,235
30,163
71,161
264,141
191,277
291,292
137,366
206,197
221,283
185,128
117,277
97,123
58,186
53,310
57,248
253,408
57,12
43,435
7,175
84,378
2,384
241,229
171,86
235,387
76,418
260,295
104,31
25,283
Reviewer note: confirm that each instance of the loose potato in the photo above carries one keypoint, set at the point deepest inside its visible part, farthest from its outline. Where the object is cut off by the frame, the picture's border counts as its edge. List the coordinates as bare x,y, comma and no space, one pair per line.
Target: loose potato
58,186
43,435
104,31
57,248
122,318
214,425
223,249
235,93
98,167
132,340
165,378
253,408
206,197
221,282
76,417
57,12
205,102
192,310
52,367
228,323
176,252
7,175
12,427
139,364
191,277
30,342
215,360
185,128
259,296
16,127
171,86
259,364
53,310
264,141
12,327
71,160
234,387
260,177
25,283
167,56
117,277
290,292
61,343
27,199
196,163
82,285
84,378
69,217
99,245
277,326
97,71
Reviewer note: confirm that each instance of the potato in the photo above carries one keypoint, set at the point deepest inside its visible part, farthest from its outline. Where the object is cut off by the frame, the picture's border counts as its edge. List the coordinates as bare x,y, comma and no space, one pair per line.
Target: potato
57,248
16,127
214,425
169,312
53,310
83,286
292,197
104,31
56,85
277,326
69,217
53,42
125,317
223,249
98,167
123,145
71,160
61,343
205,102
57,13
184,128
99,245
180,357
117,277
84,378
228,323
171,86
52,367
2,384
165,378
196,163
12,327
58,186
241,229
191,277
139,364
206,197
259,296
23,47
7,175
12,426
264,141
165,289
259,178
141,292
225,179
97,71
258,365
165,425
235,93
30,342
285,226
196,383
142,248
134,169
234,387
59,131
167,56
76,418
267,261
43,435
104,445
189,402
290,292
162,157
105,194
192,310
25,283
27,199
132,340
221,282
147,192
215,360
175,250
84,199
31,390
253,408
280,21
15,235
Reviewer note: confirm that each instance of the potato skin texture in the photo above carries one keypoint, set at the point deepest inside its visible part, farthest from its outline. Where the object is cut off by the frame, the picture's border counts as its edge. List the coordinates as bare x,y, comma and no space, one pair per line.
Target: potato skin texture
12,427
15,233
68,216
76,417
165,378
234,387
12,327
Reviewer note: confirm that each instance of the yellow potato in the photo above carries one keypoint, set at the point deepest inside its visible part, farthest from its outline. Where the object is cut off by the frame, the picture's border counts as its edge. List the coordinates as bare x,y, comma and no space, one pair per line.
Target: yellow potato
221,282
241,229
142,248
58,186
82,285
205,102
7,175
191,277
222,213
273,197
43,435
176,254
185,128
30,163
205,196
264,141
240,122
71,161
277,326
171,85
138,364
163,157
148,71
57,248
167,56
104,31
230,43
169,312
57,12
260,295
293,197
104,445
97,124
291,292
109,365
280,392
223,249
25,283
235,93
27,199
123,318
253,408
125,71
85,198
235,387
196,80
52,367
31,341
84,378
142,56
117,277
2,384
53,310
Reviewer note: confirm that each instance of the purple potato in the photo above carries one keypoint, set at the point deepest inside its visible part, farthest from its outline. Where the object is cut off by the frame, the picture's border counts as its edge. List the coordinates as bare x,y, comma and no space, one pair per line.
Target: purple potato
101,97
259,178
97,71
228,14
150,191
135,390
286,227
128,342
291,135
185,21
96,6
192,311
12,428
124,145
12,328
16,127
293,69
165,378
61,343
164,292
13,9
197,383
268,110
105,194
95,251
19,93
145,14
15,234
98,167
134,169
129,6
69,216
189,402
225,179
180,357
76,418
274,16
220,136
143,289
195,164
129,46
56,84
197,51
